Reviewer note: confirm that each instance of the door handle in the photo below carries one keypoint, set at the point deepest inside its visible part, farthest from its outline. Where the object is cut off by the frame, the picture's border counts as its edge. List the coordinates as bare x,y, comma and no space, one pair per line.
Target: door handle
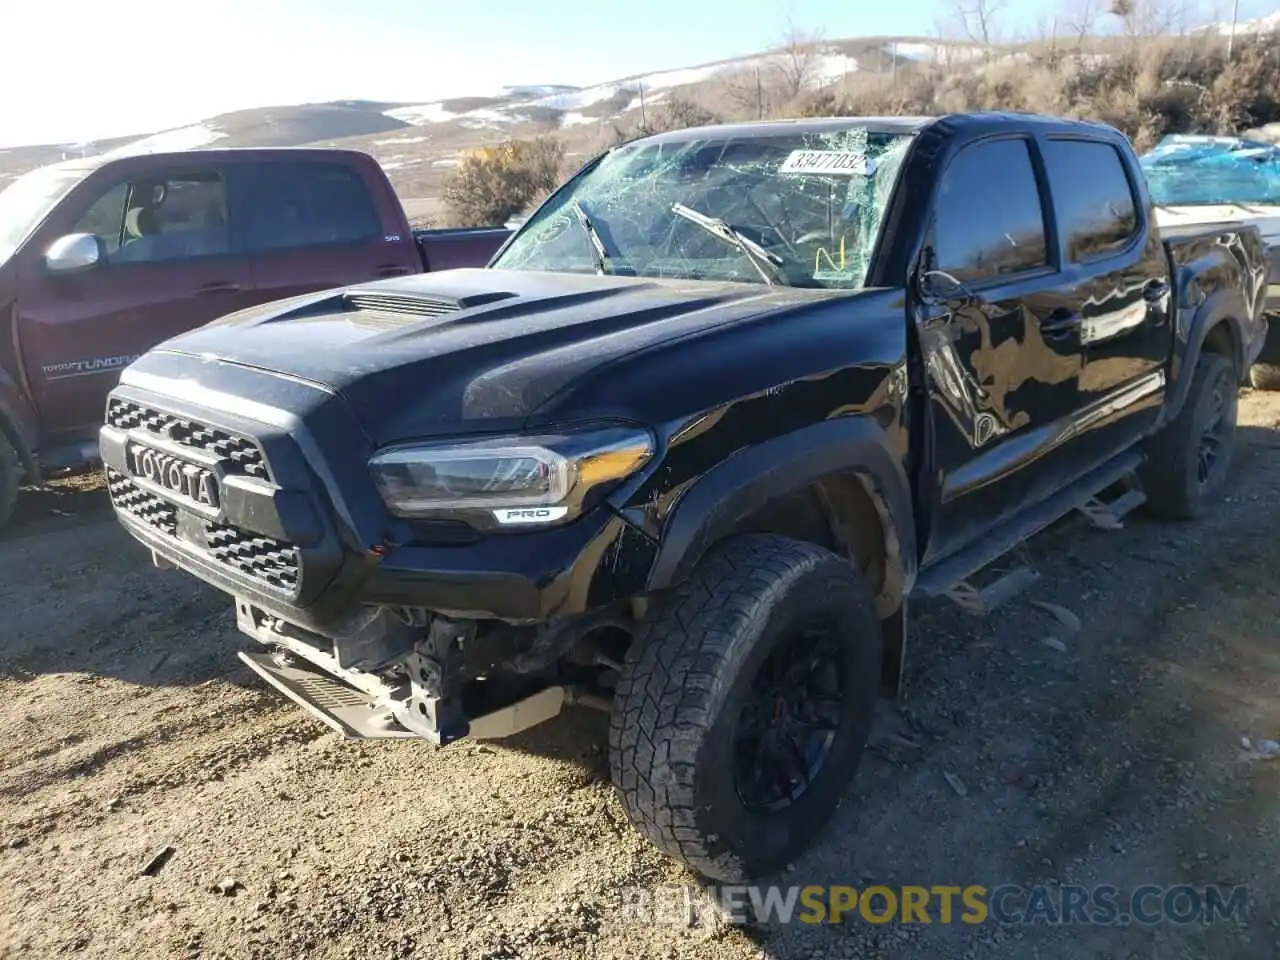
391,270
1060,323
219,286
1154,290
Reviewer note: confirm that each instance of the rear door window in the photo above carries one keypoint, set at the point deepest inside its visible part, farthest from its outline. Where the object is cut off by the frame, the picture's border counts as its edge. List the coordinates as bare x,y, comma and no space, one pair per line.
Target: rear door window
300,204
1092,196
988,219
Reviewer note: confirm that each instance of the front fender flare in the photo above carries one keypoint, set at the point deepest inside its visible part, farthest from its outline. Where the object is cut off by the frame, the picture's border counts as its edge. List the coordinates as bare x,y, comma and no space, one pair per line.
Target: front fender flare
724,496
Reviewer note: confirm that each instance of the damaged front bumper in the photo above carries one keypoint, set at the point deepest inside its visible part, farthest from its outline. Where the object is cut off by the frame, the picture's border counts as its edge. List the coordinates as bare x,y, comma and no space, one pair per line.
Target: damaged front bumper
377,627
415,688
364,714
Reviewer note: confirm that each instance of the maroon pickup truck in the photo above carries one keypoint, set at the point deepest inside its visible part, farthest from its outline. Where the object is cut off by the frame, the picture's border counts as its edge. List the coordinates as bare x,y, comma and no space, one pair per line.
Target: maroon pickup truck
103,258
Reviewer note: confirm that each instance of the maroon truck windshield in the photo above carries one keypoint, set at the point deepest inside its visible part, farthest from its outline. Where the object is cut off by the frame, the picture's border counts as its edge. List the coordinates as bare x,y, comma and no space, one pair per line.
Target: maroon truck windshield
28,200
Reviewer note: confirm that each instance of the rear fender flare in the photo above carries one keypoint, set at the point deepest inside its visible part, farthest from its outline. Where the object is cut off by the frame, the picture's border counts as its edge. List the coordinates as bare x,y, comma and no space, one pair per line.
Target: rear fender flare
713,507
1224,306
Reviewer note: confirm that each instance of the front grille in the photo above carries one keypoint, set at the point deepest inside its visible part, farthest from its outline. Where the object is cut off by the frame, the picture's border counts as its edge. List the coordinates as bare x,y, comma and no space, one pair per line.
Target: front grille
147,507
255,556
244,454
387,310
249,554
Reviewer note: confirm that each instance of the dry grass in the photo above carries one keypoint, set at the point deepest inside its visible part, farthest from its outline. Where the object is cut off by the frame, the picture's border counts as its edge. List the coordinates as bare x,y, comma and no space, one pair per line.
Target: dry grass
1146,86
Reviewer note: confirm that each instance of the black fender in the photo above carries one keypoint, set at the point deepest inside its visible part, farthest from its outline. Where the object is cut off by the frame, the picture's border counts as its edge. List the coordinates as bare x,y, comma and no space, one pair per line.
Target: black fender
1225,306
731,491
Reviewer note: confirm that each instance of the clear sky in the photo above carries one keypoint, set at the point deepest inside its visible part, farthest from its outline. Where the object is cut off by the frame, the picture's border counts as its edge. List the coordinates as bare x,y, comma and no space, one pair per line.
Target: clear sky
82,69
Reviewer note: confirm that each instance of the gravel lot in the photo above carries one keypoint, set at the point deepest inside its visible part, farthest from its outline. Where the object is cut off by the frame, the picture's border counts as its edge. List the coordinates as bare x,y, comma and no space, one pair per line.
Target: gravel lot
1108,755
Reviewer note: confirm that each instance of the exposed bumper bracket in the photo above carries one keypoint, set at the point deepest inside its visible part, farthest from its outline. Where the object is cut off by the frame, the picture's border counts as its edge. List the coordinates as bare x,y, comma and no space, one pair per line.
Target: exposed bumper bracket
357,716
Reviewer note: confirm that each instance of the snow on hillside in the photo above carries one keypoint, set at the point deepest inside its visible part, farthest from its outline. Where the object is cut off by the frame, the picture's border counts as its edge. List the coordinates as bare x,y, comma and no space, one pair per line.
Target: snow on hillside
394,140
488,117
422,113
825,68
1268,24
532,91
184,138
935,52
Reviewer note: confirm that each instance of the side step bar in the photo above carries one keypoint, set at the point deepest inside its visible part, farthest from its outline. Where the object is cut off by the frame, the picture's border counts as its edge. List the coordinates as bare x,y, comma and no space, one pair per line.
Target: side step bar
355,715
946,575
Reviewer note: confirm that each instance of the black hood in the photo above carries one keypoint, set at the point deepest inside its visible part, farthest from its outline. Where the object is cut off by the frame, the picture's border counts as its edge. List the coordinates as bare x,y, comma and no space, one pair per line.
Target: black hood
473,349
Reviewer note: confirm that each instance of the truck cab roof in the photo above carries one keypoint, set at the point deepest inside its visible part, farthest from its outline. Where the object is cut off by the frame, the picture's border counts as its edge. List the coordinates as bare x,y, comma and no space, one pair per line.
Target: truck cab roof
953,123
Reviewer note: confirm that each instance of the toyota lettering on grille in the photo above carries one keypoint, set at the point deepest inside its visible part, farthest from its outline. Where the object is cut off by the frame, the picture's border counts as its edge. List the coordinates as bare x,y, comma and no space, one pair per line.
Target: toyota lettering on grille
187,480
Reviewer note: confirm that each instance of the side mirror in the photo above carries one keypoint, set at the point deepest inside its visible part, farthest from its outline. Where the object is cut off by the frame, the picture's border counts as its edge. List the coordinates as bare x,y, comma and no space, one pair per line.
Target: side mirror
74,253
938,286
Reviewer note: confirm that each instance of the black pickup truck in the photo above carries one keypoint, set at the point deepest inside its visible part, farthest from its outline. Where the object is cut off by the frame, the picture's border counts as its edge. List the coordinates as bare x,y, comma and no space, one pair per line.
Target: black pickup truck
685,451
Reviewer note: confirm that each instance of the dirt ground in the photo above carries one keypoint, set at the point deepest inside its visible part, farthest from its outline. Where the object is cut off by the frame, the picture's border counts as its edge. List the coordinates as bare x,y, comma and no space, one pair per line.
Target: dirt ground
1109,755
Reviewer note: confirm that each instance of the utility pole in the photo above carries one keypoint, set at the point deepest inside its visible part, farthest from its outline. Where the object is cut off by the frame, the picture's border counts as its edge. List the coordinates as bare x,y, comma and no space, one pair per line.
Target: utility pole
759,95
644,123
1231,37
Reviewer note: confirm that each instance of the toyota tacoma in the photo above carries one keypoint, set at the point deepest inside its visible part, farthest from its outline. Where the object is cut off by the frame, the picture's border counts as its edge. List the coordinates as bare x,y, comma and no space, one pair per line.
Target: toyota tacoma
687,448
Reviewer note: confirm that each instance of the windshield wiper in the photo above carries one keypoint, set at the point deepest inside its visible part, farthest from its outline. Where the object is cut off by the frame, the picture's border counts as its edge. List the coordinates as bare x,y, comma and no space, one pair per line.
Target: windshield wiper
764,261
599,255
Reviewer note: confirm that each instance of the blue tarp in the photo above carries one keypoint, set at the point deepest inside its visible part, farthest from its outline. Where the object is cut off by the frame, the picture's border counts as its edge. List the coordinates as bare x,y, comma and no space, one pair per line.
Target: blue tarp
1191,169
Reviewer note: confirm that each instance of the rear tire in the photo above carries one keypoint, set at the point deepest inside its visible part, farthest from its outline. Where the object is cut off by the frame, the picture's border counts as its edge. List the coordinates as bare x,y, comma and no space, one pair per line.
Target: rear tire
1264,376
1189,459
10,478
744,705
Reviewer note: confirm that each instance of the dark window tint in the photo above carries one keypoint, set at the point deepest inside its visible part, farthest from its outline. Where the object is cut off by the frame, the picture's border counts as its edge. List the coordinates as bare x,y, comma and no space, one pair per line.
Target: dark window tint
304,204
988,218
1091,195
175,216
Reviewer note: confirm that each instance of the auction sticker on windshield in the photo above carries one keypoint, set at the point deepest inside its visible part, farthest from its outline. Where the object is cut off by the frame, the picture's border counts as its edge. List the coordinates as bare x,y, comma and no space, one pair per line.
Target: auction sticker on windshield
827,161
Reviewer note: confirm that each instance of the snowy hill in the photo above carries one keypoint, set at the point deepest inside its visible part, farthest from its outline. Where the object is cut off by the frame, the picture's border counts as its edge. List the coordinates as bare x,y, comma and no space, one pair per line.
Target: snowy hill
1268,24
574,106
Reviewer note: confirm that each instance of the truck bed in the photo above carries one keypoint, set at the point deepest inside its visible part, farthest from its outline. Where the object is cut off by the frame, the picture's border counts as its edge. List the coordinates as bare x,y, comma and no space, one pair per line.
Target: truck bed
447,248
1174,231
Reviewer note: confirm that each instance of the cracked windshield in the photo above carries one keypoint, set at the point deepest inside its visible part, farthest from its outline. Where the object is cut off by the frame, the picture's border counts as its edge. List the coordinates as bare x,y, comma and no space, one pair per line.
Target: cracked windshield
791,209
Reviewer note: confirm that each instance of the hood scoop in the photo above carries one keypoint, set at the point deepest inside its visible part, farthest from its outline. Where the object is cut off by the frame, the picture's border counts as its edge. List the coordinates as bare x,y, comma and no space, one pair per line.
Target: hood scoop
386,311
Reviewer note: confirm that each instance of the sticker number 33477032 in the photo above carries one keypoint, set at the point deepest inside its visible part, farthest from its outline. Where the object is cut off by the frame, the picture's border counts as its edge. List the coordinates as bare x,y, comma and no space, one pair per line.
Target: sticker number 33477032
827,161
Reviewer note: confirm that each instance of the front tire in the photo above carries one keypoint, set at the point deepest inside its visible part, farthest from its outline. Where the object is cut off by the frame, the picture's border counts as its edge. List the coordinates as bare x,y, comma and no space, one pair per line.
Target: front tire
10,479
744,705
1189,459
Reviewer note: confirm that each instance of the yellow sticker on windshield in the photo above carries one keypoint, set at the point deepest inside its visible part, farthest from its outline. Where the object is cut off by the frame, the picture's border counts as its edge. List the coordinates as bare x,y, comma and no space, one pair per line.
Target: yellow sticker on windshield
844,162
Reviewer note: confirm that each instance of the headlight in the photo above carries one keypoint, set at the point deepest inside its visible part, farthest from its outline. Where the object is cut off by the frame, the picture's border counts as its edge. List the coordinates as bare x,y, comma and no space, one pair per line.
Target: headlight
510,480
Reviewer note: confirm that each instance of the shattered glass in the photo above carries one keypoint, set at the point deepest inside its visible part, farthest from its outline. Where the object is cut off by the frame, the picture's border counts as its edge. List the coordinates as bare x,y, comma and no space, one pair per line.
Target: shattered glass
1186,169
812,202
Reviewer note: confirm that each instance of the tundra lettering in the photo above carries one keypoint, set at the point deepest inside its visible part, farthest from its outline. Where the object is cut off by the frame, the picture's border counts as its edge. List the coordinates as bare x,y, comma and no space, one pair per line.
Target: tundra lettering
78,368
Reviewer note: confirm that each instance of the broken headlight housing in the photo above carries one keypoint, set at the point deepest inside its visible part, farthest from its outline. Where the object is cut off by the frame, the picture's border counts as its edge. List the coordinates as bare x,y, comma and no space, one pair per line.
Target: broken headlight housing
510,480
